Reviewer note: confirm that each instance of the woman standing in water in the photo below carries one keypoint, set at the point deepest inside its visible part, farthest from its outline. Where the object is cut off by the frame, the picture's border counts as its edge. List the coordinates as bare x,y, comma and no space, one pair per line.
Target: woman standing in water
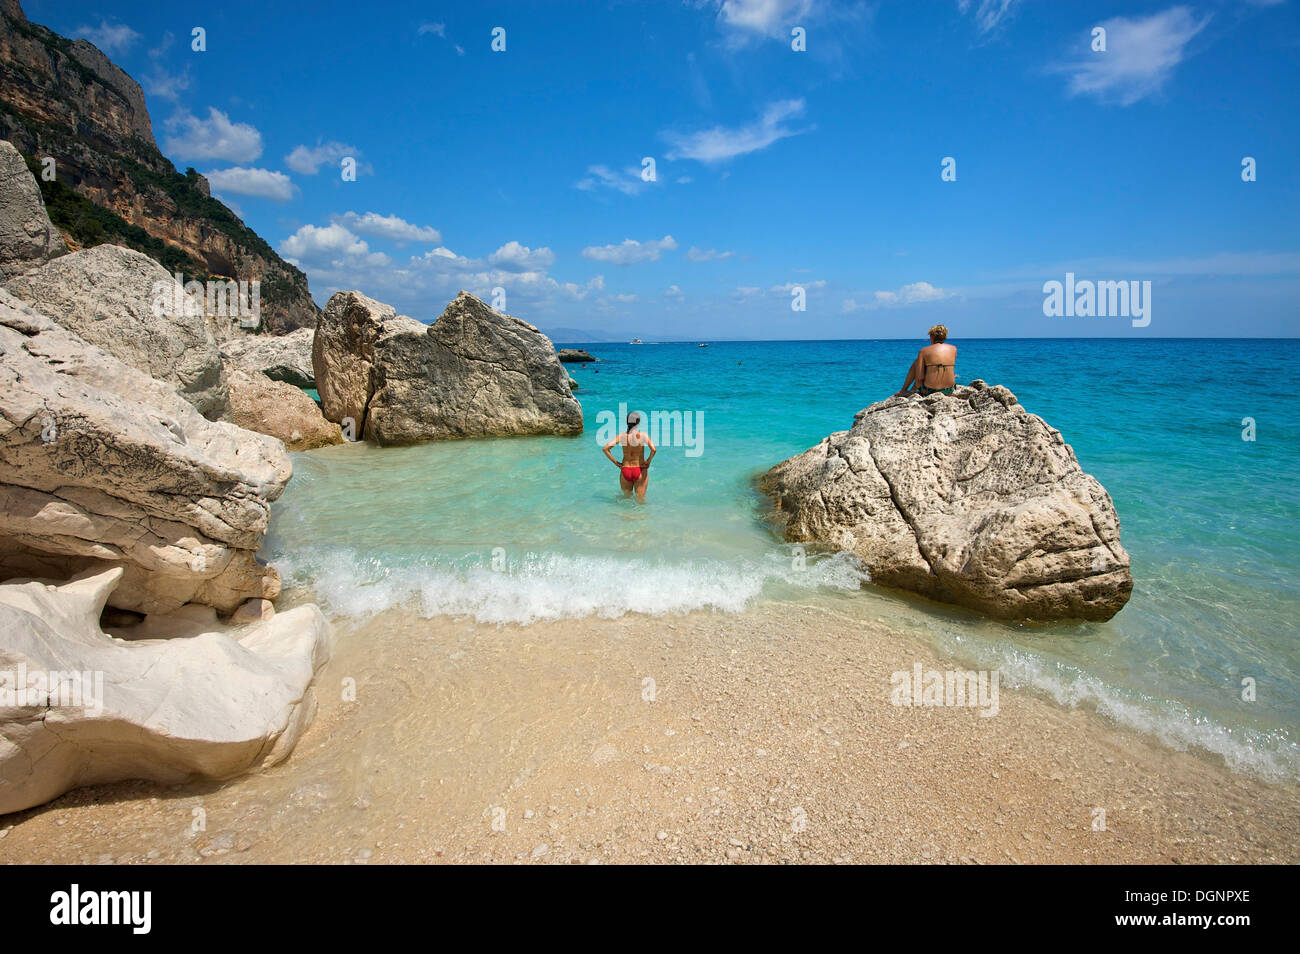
634,469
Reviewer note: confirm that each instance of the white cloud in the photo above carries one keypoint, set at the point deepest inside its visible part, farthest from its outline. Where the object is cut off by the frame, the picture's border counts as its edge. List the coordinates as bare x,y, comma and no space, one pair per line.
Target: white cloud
631,251
1027,279
158,82
213,138
389,227
335,258
513,257
439,30
333,244
307,160
912,294
164,44
988,13
629,181
790,286
721,143
835,29
772,18
707,255
744,20
112,38
1141,55
673,292
262,183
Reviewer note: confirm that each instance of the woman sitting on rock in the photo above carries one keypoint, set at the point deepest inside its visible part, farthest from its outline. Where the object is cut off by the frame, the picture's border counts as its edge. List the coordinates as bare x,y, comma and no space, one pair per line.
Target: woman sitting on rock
935,366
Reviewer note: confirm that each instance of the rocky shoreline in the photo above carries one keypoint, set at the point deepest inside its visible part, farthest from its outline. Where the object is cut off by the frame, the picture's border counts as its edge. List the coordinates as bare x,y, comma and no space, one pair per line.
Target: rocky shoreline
143,440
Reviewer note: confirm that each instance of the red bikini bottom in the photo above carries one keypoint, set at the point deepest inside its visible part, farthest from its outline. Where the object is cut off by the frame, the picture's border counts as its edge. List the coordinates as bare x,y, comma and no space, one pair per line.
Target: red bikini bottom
631,474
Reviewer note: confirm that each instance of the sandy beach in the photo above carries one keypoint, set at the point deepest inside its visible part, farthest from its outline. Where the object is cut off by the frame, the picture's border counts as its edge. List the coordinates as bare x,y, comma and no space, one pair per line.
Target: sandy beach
763,737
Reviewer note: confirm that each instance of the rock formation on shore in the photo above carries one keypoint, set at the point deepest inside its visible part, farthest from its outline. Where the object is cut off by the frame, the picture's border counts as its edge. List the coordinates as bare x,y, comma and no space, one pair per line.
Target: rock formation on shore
111,474
280,357
27,236
281,410
107,296
94,708
101,465
472,373
574,356
63,99
966,499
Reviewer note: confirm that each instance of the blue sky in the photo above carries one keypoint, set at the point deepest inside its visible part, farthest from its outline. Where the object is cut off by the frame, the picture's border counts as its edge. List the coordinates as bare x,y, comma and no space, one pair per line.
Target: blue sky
775,168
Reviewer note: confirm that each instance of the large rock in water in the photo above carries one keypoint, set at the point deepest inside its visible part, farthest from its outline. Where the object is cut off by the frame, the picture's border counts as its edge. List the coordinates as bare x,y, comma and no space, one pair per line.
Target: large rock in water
27,236
284,358
963,498
207,703
101,465
473,373
281,410
125,302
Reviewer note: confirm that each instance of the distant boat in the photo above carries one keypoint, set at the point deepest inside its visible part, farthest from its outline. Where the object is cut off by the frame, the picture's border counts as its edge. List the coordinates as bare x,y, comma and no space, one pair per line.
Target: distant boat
636,341
705,345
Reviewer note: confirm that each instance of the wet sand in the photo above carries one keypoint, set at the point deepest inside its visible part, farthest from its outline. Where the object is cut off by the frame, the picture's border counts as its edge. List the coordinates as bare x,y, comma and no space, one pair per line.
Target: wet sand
764,737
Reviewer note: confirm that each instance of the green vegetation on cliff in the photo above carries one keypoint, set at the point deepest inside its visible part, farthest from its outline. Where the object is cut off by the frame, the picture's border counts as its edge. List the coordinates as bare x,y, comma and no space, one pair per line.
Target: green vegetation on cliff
89,224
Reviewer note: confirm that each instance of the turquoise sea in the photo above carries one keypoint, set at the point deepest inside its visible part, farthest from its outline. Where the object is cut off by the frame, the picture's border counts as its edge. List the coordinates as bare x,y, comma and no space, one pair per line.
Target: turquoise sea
526,529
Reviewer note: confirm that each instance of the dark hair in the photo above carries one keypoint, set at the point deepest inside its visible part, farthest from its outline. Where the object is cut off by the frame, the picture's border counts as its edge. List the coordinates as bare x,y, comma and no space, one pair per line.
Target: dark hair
633,420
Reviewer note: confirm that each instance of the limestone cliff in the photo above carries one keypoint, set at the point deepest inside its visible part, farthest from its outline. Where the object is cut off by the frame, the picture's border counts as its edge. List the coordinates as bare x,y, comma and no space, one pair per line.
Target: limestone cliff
65,99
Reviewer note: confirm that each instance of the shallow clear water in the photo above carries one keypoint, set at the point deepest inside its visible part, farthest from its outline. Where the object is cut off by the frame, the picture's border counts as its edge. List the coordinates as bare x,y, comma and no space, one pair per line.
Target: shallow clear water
536,528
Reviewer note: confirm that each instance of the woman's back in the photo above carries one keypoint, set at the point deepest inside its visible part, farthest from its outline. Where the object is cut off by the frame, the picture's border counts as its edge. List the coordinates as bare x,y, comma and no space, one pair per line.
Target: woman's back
633,445
940,362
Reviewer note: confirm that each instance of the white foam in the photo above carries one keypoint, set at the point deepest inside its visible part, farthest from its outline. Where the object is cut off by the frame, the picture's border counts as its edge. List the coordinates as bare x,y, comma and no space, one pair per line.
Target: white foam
1268,755
551,586
548,586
